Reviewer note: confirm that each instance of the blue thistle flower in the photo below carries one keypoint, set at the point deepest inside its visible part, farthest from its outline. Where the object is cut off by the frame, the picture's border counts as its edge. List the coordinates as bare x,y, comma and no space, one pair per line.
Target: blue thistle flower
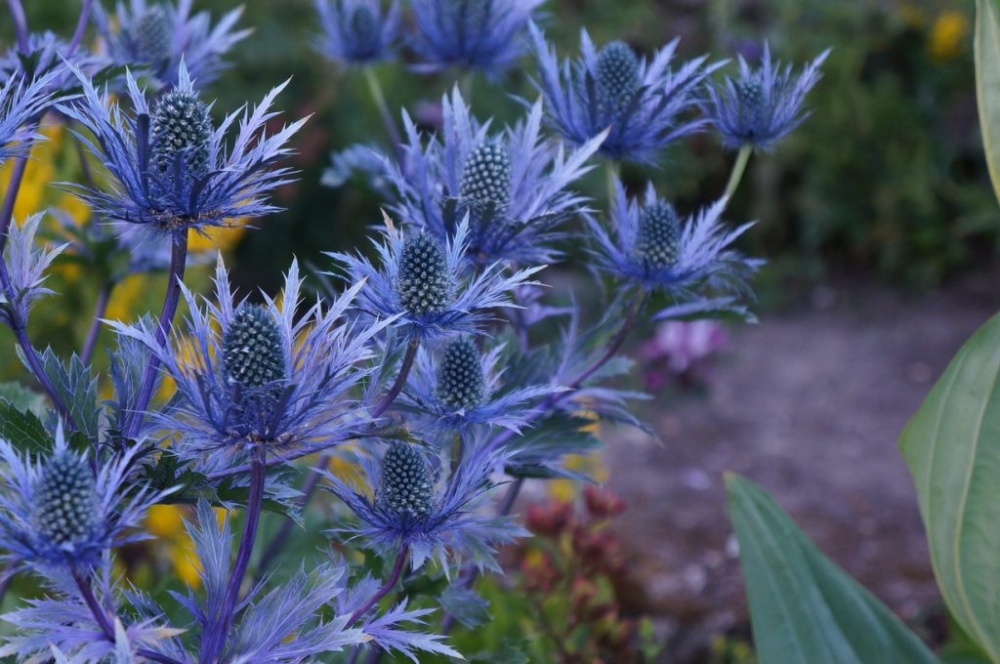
158,36
472,34
171,169
256,376
512,186
652,248
643,104
426,288
356,32
25,263
22,103
56,512
464,386
410,505
762,105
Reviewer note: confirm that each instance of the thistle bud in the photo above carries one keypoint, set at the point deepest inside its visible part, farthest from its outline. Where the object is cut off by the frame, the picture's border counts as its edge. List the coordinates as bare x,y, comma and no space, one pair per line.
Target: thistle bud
365,32
617,76
460,383
750,94
658,236
253,354
181,126
405,486
486,176
424,283
65,501
152,35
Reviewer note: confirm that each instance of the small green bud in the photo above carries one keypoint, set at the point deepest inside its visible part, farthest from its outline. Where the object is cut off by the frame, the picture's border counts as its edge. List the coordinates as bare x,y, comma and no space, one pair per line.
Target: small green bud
405,486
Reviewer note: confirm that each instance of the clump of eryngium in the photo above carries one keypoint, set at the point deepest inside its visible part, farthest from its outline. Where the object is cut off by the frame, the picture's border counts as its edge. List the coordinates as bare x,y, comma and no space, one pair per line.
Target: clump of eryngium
435,371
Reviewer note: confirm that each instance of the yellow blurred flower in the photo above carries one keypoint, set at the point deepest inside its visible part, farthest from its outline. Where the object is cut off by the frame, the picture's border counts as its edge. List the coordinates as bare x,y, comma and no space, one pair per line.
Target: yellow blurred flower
166,520
948,34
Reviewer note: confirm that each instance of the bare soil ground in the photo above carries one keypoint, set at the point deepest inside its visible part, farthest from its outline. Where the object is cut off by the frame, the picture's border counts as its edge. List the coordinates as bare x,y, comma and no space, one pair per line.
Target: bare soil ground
809,404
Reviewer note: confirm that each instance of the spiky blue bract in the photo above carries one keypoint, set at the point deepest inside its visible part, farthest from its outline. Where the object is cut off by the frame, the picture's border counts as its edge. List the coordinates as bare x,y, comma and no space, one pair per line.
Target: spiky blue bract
472,34
357,32
49,56
462,302
450,529
762,105
217,416
532,199
39,530
194,186
701,260
460,386
25,262
585,97
61,621
22,102
158,36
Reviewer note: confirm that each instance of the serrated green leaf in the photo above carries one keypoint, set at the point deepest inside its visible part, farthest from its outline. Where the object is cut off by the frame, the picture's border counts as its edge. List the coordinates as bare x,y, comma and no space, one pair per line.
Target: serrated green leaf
23,429
805,609
22,398
465,606
952,446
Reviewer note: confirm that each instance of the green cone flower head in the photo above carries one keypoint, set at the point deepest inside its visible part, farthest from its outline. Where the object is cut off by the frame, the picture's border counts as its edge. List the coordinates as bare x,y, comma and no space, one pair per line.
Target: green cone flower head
617,76
424,283
460,381
658,235
486,177
152,36
181,125
65,507
253,354
405,488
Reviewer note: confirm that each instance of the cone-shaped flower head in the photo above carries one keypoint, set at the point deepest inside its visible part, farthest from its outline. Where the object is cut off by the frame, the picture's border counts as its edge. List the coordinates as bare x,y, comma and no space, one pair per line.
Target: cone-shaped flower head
513,185
424,281
473,34
253,352
357,32
644,103
658,236
406,486
153,36
65,506
762,105
170,168
461,384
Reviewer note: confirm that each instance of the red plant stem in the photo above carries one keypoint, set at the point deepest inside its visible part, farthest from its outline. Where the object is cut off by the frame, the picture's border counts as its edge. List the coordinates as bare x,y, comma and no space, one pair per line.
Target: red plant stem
397,571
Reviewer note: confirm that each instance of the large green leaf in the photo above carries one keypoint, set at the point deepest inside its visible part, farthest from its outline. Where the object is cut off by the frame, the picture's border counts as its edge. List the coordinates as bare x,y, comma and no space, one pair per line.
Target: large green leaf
952,446
805,609
987,48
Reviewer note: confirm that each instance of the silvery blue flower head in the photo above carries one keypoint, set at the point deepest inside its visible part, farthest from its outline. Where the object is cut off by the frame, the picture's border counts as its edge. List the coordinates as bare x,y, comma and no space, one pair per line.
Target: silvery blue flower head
642,102
48,55
653,248
472,34
56,512
762,105
408,503
22,102
357,32
460,386
252,375
512,186
426,287
26,263
171,168
158,36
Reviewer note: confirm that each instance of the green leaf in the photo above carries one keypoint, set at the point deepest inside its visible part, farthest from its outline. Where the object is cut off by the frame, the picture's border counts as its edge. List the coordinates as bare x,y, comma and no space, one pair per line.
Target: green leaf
22,429
952,446
987,48
22,398
804,608
465,606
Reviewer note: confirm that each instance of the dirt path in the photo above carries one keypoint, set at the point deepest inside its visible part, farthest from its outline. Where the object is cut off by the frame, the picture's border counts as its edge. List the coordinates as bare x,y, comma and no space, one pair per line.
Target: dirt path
809,404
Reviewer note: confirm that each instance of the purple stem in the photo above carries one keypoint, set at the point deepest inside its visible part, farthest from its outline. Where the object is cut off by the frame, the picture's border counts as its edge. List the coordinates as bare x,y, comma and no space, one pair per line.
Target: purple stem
81,26
397,386
20,25
178,259
397,570
13,186
218,626
95,324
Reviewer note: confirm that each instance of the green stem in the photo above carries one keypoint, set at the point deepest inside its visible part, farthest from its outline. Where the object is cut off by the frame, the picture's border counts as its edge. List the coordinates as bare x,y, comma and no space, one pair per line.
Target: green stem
739,166
613,173
375,88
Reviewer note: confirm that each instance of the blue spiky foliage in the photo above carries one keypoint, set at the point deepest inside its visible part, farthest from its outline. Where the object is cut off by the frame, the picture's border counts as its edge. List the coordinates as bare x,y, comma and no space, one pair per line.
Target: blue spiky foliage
406,501
252,375
25,263
170,169
22,102
512,186
483,35
426,287
48,56
357,32
645,104
57,512
461,386
762,105
158,36
692,260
